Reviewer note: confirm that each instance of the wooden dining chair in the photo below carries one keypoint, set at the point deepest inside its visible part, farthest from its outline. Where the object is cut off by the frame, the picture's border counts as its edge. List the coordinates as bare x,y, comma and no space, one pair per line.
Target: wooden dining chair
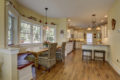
60,54
48,60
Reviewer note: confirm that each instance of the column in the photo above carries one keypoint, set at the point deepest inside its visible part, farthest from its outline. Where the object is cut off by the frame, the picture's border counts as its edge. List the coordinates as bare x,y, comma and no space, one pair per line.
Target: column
9,66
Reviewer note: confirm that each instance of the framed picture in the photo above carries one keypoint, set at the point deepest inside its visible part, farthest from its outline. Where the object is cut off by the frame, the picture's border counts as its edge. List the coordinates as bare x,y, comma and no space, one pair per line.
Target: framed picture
113,24
62,32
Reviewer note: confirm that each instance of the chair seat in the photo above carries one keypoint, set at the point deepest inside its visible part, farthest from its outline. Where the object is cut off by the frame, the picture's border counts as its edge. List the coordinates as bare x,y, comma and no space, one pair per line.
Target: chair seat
101,51
30,58
58,52
44,54
43,57
87,50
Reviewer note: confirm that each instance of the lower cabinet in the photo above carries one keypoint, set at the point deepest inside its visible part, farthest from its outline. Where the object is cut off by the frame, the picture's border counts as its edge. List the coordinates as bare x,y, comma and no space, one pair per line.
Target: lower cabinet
68,48
25,73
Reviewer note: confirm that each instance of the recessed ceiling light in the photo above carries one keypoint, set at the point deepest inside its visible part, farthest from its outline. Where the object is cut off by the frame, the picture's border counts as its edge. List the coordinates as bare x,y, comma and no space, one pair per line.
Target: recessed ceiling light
89,29
69,20
68,30
106,16
102,20
98,28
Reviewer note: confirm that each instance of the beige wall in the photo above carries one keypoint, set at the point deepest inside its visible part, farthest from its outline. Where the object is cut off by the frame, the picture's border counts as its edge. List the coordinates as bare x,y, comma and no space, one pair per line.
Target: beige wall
114,36
62,25
2,23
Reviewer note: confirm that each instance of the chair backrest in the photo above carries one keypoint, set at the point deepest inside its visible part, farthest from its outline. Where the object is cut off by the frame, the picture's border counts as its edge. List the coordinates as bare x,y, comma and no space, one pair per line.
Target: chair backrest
52,50
63,50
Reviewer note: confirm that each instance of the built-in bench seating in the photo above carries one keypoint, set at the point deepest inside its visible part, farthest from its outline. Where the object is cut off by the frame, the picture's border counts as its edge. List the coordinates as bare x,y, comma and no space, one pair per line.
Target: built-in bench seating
24,68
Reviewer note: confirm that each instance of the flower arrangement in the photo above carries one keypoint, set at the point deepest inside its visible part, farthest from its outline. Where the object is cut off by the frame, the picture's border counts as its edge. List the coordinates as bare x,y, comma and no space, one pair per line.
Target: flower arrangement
46,43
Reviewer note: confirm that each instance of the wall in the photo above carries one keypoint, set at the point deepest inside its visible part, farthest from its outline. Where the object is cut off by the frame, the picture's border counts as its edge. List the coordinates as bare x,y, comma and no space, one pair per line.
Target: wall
114,36
2,23
61,26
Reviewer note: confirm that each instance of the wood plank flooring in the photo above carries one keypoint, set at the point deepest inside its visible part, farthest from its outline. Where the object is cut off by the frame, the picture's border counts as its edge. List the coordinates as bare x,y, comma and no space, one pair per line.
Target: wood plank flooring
76,69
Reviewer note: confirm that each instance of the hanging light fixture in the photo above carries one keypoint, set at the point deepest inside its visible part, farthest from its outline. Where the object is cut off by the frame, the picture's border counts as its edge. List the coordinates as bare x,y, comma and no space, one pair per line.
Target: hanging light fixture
46,22
93,20
89,28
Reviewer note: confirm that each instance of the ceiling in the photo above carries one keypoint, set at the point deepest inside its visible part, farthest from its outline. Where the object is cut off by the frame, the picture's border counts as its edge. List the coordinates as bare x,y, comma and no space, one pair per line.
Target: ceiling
79,11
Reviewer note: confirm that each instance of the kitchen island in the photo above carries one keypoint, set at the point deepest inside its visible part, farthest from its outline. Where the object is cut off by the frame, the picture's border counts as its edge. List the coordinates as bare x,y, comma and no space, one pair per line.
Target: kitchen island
93,47
69,48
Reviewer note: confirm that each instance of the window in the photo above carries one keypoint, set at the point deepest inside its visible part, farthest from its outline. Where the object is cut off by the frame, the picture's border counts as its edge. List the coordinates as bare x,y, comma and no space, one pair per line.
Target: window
25,36
30,33
36,34
10,29
51,34
89,38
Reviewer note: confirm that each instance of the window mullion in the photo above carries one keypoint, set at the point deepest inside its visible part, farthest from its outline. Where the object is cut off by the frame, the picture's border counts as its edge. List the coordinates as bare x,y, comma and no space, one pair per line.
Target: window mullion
40,34
12,30
31,33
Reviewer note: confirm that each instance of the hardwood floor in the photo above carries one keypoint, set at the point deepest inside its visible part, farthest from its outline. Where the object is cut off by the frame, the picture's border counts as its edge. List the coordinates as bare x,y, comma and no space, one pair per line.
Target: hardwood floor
76,69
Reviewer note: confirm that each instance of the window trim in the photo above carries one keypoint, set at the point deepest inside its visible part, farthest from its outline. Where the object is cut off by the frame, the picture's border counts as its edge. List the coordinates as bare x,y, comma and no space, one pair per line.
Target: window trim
31,33
12,41
13,12
91,38
40,32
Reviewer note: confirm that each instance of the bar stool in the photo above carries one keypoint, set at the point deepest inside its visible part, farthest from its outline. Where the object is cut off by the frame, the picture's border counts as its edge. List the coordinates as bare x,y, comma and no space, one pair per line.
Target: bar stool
88,56
99,52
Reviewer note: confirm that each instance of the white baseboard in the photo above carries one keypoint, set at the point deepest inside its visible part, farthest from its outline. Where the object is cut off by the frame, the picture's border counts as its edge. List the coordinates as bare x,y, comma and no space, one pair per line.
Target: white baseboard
115,67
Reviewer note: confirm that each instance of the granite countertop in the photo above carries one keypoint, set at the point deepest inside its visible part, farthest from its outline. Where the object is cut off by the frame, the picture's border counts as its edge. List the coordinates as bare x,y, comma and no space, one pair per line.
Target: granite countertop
97,44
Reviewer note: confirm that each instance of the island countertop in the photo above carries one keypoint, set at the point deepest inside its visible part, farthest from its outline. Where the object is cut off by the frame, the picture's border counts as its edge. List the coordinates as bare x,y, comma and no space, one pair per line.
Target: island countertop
96,44
93,47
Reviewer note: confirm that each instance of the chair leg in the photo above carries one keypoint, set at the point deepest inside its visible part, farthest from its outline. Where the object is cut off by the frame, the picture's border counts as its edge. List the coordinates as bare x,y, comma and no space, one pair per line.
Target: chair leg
104,57
94,56
48,70
38,66
91,55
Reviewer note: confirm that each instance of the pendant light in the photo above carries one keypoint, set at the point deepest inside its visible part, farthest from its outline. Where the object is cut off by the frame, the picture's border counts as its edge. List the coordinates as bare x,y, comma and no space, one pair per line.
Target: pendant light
93,20
46,22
